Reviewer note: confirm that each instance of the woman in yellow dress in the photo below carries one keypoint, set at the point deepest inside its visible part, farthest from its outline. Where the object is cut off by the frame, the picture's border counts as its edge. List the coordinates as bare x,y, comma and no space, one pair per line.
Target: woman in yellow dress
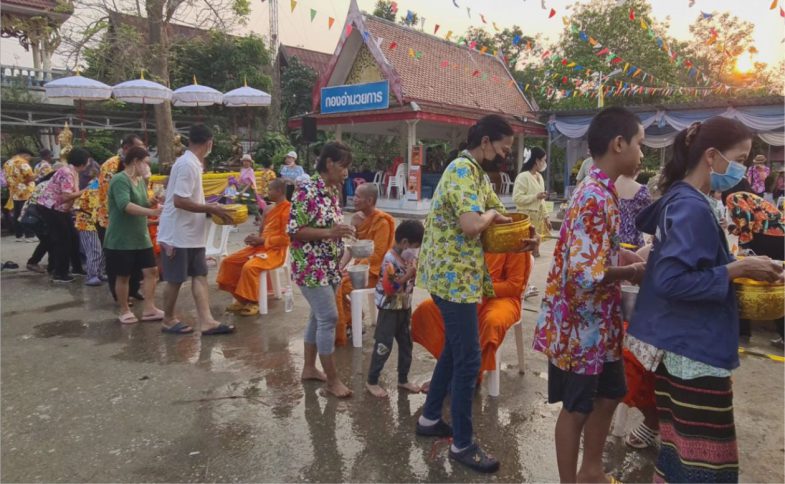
529,192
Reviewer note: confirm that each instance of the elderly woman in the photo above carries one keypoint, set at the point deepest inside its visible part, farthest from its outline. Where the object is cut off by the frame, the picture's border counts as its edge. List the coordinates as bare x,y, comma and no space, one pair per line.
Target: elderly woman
452,268
55,205
317,228
127,242
685,326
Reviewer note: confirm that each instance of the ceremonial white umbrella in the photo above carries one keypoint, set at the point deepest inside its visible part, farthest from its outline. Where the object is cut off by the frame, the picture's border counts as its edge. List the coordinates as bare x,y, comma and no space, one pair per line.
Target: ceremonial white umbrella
79,89
195,95
144,92
246,97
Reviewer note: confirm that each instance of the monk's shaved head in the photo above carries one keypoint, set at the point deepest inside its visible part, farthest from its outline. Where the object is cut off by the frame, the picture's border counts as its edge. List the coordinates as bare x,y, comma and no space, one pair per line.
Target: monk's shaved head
276,190
369,191
278,184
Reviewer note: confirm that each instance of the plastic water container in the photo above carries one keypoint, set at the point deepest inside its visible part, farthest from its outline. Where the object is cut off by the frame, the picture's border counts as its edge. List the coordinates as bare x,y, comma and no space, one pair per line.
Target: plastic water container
288,299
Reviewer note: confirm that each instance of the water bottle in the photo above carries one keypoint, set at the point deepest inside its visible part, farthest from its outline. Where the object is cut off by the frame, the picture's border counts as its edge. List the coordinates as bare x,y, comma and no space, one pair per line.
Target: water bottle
288,299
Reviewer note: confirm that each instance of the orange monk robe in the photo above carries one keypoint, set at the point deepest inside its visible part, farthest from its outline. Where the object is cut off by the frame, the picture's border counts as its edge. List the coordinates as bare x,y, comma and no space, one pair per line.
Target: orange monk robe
379,227
510,273
239,272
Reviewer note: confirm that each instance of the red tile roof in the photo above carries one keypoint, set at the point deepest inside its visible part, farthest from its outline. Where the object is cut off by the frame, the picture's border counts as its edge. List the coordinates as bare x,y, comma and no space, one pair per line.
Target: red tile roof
315,60
34,4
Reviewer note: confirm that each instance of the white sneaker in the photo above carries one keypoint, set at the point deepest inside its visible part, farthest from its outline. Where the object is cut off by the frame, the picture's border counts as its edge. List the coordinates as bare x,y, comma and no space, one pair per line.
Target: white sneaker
31,240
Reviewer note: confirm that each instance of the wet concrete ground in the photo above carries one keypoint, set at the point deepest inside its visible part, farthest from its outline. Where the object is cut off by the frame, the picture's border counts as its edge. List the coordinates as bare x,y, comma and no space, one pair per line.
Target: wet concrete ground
86,399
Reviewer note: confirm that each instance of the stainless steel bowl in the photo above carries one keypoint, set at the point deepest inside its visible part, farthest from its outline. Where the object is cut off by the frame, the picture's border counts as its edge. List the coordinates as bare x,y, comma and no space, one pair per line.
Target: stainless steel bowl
629,294
361,248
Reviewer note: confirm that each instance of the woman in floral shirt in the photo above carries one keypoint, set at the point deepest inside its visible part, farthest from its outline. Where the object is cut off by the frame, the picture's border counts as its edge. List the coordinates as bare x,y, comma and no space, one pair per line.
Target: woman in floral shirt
316,226
55,203
452,268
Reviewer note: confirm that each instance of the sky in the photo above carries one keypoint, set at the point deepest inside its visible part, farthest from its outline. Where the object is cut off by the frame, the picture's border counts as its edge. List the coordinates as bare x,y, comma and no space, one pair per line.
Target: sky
296,27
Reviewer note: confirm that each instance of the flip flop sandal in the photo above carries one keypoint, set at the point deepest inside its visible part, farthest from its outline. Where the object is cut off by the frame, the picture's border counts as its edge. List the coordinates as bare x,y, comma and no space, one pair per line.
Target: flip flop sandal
128,318
220,329
157,316
178,328
235,307
250,310
641,437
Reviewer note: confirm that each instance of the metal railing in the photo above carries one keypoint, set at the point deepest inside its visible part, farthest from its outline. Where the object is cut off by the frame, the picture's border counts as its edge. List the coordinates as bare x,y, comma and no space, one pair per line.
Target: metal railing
27,77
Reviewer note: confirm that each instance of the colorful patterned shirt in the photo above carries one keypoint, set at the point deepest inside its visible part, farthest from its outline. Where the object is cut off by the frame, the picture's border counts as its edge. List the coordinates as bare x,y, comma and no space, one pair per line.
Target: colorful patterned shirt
315,263
580,323
42,168
451,265
265,177
63,181
87,208
17,173
389,293
105,174
292,172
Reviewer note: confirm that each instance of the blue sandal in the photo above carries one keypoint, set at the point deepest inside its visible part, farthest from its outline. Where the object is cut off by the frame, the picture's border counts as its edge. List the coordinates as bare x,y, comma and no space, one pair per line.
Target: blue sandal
178,328
220,329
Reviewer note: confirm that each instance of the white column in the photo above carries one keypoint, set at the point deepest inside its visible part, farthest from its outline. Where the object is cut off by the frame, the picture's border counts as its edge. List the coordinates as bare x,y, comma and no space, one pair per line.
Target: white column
338,132
411,138
519,157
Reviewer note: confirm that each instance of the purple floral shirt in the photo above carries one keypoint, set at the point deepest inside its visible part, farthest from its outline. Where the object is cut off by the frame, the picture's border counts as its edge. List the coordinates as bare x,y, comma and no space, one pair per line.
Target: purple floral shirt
580,323
317,262
628,233
63,181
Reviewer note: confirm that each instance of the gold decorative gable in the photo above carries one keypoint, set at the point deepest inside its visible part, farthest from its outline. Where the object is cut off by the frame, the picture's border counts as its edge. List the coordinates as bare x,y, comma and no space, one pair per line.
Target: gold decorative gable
364,69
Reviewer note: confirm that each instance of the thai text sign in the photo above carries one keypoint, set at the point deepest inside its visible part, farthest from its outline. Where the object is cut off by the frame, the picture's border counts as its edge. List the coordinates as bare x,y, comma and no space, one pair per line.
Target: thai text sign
355,97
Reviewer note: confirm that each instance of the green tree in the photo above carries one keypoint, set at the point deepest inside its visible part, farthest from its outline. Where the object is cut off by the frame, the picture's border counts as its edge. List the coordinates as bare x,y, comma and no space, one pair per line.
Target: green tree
297,83
384,9
221,61
409,20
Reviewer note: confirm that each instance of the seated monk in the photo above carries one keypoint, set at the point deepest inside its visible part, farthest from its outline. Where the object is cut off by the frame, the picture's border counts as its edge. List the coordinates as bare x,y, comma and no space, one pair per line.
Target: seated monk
510,273
373,224
239,272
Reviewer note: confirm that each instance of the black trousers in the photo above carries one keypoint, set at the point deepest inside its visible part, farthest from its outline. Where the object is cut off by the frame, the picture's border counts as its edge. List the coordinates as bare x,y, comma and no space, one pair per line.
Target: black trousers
134,284
20,229
61,234
42,248
392,324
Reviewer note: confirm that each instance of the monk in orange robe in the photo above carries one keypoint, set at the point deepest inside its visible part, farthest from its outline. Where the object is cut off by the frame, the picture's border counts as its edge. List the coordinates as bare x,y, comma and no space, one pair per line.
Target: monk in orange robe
239,272
370,223
510,273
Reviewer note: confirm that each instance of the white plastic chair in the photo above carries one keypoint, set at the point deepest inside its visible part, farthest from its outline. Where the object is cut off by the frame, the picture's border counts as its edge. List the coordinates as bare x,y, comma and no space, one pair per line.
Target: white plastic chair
219,249
358,298
493,376
398,182
378,177
507,184
278,285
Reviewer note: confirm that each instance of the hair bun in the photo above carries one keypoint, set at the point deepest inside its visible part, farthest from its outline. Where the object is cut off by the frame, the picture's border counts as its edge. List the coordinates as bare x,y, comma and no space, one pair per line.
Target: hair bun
692,131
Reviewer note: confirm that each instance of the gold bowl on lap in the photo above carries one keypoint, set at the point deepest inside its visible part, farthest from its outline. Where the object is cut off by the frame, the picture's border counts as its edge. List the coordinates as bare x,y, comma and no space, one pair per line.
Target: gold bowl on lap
237,211
758,300
499,238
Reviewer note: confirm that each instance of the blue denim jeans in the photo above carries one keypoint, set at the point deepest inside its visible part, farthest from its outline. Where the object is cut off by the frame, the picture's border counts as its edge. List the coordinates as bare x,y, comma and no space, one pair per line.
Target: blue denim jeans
457,369
320,330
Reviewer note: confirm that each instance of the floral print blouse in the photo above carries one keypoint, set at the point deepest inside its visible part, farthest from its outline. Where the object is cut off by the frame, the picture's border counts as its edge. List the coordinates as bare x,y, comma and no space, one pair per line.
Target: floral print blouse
17,170
630,209
753,215
316,262
265,177
451,265
580,322
87,208
63,181
757,175
105,174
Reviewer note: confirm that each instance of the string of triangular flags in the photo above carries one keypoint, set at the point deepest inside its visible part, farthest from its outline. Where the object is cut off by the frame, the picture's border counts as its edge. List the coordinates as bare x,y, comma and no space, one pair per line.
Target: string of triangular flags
773,6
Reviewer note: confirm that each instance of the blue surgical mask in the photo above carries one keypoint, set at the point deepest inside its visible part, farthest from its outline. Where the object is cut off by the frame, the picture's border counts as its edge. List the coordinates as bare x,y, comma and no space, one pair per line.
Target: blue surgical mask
732,176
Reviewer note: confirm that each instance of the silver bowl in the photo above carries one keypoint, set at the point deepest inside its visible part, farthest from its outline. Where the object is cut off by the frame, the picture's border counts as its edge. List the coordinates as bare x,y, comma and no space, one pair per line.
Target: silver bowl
629,294
361,249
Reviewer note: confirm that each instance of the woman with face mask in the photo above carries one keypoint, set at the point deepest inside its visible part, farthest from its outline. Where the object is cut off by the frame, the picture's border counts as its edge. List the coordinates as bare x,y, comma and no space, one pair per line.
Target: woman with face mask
452,268
529,192
127,242
685,326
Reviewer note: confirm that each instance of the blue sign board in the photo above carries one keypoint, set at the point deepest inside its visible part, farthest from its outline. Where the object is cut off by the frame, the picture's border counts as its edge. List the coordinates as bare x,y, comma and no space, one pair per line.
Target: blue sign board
355,97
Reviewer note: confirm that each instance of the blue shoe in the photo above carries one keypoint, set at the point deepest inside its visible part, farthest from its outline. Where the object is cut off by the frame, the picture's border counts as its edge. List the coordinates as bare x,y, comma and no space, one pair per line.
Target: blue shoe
93,281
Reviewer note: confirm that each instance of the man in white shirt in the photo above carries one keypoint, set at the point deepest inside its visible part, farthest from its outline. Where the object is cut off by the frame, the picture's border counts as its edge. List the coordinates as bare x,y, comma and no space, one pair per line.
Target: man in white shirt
181,235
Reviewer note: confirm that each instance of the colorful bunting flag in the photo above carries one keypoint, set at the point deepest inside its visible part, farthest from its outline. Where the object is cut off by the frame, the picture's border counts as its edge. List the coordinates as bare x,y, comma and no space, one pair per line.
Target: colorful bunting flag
393,7
632,14
293,4
409,16
348,30
435,29
644,26
449,34
330,22
482,17
313,14
706,16
393,45
603,52
584,37
411,52
516,39
773,5
484,49
552,14
494,26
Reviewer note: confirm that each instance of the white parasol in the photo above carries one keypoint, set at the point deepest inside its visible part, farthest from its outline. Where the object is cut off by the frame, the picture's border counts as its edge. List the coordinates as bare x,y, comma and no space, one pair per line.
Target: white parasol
246,97
79,89
195,95
144,92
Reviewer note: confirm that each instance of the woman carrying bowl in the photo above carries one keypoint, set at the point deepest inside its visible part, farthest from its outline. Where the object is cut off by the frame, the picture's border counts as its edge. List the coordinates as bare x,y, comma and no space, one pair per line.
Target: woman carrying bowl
317,228
686,325
452,268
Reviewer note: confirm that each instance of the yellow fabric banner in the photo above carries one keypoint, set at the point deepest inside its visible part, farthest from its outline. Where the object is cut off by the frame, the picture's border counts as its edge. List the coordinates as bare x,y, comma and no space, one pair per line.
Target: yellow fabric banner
213,184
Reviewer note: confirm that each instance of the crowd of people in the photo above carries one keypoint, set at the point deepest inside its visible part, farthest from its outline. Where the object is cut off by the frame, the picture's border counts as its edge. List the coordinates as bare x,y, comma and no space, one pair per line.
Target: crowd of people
672,359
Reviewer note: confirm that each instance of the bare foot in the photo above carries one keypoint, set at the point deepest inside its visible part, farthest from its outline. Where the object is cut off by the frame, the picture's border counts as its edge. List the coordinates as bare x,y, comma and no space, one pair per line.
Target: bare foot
313,374
376,390
208,325
425,387
409,386
338,389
